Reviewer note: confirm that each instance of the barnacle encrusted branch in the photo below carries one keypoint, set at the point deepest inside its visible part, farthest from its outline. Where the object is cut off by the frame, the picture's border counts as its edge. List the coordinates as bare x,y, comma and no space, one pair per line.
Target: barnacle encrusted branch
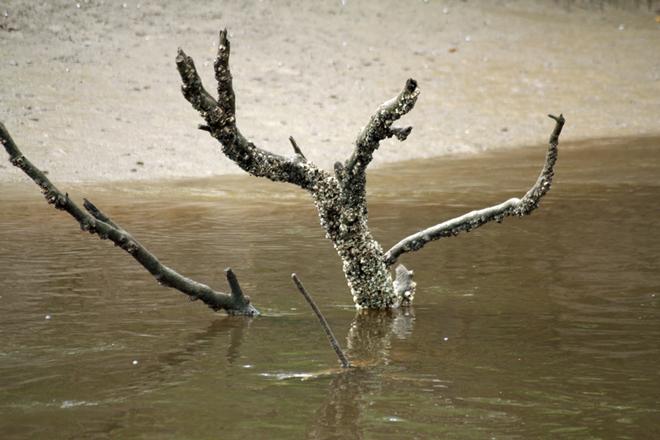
378,128
339,198
94,221
474,219
221,123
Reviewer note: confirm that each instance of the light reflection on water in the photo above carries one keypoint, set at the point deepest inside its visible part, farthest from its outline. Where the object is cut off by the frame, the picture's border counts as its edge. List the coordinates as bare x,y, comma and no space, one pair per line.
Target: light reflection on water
541,327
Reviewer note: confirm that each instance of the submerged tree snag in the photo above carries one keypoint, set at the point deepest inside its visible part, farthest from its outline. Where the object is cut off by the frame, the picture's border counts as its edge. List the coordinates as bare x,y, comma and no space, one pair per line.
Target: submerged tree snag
94,221
340,197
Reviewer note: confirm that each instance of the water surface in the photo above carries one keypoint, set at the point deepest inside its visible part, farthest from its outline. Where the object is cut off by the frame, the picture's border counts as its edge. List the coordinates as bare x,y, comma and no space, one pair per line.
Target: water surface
543,327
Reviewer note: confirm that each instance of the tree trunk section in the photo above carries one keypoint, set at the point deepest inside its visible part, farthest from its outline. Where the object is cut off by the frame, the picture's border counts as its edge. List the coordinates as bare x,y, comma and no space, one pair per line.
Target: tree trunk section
366,273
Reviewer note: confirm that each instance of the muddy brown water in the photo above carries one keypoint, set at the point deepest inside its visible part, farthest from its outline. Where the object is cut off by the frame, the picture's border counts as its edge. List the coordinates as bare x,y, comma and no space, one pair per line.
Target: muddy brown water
543,327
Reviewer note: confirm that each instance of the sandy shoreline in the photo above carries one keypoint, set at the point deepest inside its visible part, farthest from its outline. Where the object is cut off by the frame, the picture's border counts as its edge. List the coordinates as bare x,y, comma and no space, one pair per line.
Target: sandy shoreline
91,94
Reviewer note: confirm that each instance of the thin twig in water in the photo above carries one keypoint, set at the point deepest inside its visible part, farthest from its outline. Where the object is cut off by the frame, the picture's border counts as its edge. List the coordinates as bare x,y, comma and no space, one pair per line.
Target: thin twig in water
324,323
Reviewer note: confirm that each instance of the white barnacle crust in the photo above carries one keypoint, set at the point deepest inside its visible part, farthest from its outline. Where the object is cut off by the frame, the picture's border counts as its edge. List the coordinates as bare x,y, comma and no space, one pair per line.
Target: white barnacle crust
362,257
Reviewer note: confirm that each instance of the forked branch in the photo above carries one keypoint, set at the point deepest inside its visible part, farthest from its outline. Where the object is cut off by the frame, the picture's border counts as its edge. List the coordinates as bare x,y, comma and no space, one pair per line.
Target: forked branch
94,221
221,123
474,219
379,127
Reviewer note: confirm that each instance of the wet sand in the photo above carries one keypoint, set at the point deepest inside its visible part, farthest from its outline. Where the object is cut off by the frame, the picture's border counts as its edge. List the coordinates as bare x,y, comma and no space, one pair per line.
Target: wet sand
90,92
542,327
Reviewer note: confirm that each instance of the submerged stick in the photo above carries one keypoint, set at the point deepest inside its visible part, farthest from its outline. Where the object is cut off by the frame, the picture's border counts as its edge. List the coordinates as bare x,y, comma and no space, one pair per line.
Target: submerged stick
94,221
324,323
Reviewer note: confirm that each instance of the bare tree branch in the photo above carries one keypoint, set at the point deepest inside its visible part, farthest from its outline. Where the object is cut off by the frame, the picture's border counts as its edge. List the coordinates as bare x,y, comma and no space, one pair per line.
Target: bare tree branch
353,173
296,148
98,214
96,222
380,127
226,98
339,197
221,123
474,219
193,89
324,323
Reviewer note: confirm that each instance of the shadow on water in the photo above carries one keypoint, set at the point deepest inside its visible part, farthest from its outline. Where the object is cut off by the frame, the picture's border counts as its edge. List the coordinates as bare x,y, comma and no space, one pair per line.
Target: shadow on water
542,327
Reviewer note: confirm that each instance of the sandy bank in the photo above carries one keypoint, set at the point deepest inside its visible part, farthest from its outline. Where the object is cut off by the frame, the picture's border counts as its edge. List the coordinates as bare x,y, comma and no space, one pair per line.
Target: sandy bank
90,92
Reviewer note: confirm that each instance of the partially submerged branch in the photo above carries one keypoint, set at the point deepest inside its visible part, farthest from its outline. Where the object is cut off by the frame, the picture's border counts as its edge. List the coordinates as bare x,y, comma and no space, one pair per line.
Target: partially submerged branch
241,300
474,219
339,197
94,221
331,337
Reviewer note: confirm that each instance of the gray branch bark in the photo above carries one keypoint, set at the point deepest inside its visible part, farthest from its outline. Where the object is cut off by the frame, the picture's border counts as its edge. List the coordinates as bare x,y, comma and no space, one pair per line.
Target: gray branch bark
339,199
94,221
474,219
324,324
220,119
353,173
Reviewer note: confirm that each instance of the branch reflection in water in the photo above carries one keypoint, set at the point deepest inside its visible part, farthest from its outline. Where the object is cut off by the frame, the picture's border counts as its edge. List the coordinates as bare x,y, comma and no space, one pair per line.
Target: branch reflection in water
368,346
174,366
236,326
